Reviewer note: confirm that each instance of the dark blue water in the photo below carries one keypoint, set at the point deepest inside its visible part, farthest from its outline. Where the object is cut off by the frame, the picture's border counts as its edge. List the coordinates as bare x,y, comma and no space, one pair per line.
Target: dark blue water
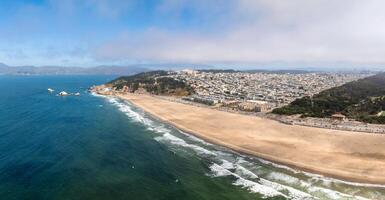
89,147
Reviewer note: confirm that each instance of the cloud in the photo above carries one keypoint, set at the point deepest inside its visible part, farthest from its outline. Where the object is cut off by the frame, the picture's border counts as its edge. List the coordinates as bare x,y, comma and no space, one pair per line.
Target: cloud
258,31
111,8
103,8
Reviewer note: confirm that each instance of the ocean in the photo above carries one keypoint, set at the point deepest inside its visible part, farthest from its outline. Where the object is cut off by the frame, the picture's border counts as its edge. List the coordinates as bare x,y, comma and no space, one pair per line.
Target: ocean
92,147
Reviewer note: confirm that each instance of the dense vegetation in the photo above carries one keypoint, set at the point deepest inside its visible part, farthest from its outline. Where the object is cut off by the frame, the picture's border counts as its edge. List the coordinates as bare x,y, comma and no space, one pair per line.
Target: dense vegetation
154,82
362,100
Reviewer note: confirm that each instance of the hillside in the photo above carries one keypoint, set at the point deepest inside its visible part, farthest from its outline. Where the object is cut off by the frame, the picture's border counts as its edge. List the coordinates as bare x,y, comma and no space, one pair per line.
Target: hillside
154,82
363,100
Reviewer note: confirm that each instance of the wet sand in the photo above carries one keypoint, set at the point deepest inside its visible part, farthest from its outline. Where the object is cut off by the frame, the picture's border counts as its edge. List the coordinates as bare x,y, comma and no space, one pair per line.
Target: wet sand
351,156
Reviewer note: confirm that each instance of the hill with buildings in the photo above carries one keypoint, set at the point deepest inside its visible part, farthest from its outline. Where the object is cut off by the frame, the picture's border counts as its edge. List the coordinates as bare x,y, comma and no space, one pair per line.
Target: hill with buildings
363,100
153,82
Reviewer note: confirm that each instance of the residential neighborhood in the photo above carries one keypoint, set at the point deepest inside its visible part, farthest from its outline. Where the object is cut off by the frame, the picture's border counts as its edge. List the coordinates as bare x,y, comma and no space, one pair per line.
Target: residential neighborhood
266,90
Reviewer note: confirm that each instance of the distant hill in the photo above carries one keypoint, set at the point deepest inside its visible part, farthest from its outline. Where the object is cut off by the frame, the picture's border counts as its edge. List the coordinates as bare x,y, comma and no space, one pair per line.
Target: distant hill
363,100
154,82
2,65
58,70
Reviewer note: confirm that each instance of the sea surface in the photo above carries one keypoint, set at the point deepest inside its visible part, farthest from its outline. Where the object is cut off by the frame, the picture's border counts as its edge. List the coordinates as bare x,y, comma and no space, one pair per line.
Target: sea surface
92,147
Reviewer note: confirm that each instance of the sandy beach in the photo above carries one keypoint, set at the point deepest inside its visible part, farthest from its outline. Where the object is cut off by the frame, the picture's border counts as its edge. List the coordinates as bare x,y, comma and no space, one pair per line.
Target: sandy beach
351,156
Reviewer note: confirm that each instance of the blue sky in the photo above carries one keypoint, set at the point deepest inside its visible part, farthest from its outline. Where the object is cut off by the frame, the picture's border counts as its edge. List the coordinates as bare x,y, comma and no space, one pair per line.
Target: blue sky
345,33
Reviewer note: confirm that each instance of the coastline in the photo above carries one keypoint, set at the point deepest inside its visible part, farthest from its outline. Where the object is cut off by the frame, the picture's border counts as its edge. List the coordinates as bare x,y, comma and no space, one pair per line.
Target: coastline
359,158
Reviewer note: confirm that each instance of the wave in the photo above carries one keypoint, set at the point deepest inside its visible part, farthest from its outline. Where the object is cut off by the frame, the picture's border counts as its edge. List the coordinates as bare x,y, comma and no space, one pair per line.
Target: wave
247,179
195,138
180,142
250,185
273,177
319,177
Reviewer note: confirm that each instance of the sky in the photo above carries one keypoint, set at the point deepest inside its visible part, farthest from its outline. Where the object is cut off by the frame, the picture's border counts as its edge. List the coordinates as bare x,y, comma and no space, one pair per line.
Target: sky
236,33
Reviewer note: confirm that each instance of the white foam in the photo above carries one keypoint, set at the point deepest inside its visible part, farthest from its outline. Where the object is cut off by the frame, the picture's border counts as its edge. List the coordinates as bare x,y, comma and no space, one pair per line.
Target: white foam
269,188
369,185
131,113
293,193
331,194
320,177
97,95
245,172
278,165
257,188
287,179
244,175
161,129
180,142
126,108
227,165
195,138
244,183
219,171
223,154
136,116
328,193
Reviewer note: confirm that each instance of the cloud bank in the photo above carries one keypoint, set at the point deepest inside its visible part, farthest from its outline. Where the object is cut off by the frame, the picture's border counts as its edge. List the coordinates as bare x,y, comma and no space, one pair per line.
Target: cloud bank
260,31
223,32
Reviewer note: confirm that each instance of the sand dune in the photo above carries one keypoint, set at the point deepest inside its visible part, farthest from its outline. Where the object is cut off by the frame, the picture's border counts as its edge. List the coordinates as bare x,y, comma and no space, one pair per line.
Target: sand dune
352,156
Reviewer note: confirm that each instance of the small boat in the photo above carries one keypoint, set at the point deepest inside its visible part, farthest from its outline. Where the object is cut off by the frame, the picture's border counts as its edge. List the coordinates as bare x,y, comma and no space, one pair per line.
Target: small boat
77,94
63,93
50,90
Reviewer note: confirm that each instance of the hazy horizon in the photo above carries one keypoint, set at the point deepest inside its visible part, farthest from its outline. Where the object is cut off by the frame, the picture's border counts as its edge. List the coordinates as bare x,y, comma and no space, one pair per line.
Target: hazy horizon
172,66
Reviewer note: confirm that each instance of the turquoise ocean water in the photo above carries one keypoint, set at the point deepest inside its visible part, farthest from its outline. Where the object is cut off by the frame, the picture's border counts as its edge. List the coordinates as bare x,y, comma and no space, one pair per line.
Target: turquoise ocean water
91,147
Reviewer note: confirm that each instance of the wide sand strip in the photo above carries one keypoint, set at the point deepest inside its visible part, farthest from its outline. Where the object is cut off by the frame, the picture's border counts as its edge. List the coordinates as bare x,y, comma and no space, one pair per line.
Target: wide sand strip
346,155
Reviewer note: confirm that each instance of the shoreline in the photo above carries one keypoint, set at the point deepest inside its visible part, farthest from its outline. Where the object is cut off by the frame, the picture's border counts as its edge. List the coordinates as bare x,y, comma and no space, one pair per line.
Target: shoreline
358,174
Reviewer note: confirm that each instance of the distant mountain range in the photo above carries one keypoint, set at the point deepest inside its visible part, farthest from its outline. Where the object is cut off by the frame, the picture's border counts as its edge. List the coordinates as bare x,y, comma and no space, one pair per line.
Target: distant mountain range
57,70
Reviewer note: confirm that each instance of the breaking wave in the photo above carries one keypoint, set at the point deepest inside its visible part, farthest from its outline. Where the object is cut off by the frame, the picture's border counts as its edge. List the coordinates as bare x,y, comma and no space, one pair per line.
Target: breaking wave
167,137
